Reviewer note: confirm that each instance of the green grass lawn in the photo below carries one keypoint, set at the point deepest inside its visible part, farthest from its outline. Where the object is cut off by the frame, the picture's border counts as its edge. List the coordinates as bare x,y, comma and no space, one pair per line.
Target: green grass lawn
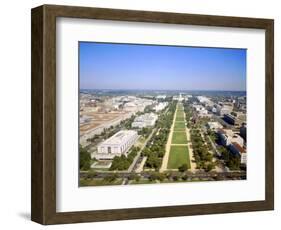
179,138
178,156
180,119
180,116
180,113
179,125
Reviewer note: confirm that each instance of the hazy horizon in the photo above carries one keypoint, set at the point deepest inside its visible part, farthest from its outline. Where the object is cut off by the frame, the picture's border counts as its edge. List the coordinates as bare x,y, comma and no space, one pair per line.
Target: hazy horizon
109,66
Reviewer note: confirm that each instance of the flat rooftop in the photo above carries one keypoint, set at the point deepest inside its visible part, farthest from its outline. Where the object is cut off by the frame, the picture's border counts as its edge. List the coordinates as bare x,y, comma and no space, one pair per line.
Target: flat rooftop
119,137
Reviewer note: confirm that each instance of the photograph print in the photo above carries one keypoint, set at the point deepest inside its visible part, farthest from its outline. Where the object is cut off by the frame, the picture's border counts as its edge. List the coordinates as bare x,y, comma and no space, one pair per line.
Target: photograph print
152,114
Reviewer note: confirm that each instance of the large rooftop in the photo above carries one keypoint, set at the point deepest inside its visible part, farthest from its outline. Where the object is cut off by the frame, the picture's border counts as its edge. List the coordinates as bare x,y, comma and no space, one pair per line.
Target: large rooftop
120,137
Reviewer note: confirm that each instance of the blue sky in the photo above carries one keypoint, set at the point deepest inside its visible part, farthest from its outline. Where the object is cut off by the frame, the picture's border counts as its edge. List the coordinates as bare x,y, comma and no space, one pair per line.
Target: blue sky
128,66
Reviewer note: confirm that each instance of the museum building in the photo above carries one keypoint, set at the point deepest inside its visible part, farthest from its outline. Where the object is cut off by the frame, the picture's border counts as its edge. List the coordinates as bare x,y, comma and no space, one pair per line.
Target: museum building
117,144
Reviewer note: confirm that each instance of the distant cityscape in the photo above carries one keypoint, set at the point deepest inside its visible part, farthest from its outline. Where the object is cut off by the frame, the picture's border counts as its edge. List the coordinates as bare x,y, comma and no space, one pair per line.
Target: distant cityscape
152,114
157,136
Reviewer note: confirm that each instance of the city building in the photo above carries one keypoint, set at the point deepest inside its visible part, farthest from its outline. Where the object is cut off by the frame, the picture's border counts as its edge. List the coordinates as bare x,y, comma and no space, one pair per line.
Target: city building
235,118
214,125
160,106
205,101
145,120
161,97
117,144
227,137
224,109
178,98
201,111
243,131
130,106
92,124
186,97
237,149
214,110
230,119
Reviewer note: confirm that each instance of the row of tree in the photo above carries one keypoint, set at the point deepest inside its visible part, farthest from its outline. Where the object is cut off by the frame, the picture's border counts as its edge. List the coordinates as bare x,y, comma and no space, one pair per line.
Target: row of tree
232,161
123,162
84,159
155,149
202,156
145,132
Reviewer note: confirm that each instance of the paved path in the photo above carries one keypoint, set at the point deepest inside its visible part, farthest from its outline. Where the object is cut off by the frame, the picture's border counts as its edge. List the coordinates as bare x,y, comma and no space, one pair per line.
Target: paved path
132,166
139,169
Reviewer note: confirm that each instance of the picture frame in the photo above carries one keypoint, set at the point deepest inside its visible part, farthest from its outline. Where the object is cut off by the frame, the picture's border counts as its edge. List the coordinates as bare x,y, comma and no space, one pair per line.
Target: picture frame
43,96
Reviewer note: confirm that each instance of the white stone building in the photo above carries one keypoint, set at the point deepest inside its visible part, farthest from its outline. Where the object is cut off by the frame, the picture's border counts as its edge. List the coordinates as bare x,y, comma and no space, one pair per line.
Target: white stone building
161,97
145,120
160,106
178,97
224,109
201,110
117,144
214,125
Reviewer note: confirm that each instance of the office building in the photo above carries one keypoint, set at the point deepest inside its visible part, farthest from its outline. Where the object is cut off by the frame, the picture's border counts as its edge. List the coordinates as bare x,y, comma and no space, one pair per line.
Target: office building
230,119
237,149
145,120
214,125
117,144
243,131
227,137
160,106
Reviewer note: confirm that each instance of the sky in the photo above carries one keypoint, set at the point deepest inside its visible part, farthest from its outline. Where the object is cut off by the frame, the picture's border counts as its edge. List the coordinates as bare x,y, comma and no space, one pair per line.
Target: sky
155,67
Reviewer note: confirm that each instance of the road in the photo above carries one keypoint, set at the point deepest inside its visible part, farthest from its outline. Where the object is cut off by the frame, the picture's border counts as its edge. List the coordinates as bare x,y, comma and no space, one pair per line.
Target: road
134,164
138,159
214,146
190,175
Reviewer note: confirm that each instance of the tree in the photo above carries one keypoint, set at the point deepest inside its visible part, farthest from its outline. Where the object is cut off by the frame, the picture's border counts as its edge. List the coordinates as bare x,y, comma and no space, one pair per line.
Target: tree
153,161
183,168
85,159
209,167
156,176
122,162
184,177
134,177
234,162
111,177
